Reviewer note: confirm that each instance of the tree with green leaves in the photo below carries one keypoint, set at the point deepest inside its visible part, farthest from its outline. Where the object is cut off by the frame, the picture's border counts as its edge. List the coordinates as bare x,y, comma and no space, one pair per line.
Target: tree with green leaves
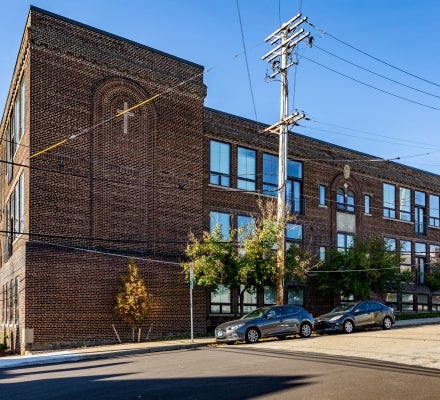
300,262
432,279
133,303
366,267
246,260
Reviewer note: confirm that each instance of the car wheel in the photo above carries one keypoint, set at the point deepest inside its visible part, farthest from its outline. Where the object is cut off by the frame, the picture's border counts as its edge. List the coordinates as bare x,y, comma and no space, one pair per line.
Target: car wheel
252,335
387,323
305,330
348,326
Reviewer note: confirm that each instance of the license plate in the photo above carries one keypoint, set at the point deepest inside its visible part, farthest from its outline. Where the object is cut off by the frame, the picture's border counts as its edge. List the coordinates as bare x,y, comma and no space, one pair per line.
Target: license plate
219,333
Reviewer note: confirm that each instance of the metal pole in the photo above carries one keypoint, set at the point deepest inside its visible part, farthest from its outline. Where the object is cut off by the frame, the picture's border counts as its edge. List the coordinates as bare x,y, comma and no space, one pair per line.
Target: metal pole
191,284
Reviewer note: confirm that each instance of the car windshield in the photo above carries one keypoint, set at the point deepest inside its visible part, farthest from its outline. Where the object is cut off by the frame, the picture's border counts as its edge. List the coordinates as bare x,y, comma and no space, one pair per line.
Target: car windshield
259,312
343,307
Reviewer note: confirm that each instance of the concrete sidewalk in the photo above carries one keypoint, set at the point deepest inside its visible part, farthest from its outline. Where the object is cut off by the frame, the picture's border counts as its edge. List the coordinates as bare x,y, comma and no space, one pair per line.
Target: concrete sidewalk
117,350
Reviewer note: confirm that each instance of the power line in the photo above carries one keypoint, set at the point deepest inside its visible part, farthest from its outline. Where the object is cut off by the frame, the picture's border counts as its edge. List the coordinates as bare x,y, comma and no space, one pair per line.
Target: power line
371,56
246,61
371,86
375,73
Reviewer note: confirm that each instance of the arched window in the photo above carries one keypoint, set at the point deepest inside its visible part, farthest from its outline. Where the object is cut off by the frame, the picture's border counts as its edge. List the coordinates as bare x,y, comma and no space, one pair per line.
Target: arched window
350,201
345,201
340,200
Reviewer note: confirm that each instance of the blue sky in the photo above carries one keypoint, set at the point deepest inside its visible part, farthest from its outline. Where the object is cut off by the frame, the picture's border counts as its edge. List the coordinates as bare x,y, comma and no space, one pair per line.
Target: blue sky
340,87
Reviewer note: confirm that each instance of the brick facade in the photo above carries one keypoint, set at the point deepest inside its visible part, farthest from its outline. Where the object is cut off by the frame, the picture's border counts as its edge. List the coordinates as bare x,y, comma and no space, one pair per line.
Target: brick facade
136,184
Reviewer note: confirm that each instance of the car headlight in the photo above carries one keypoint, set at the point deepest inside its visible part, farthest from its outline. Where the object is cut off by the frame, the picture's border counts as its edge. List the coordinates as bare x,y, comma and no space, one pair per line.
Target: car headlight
235,327
334,319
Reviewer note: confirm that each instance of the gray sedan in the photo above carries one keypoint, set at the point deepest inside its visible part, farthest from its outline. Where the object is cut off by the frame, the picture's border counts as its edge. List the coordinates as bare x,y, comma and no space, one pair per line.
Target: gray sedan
348,317
277,321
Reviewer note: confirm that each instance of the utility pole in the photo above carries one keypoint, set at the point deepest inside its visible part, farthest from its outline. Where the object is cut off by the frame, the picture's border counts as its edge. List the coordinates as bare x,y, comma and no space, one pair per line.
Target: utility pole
285,38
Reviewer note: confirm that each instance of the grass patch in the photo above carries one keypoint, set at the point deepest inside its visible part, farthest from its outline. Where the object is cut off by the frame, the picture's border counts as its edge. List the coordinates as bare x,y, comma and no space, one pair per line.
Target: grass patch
416,315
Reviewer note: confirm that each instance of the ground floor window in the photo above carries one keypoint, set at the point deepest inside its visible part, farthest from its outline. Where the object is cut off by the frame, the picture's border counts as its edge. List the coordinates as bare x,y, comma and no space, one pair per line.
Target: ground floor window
270,296
10,301
391,301
295,295
422,302
407,302
436,302
221,300
249,301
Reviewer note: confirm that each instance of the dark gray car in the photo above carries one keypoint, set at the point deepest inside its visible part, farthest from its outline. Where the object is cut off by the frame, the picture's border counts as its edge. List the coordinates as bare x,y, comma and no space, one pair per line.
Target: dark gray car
277,321
350,316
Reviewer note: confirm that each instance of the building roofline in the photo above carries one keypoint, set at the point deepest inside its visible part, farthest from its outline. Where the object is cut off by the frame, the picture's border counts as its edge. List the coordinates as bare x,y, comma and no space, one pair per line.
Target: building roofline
326,143
102,32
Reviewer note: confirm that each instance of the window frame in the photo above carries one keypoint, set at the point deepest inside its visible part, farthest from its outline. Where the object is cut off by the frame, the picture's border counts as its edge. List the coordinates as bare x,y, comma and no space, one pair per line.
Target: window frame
389,200
219,175
322,195
434,213
405,204
367,204
249,180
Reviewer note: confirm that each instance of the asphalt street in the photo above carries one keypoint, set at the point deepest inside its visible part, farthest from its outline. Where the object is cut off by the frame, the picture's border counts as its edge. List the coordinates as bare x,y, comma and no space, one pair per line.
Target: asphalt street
412,342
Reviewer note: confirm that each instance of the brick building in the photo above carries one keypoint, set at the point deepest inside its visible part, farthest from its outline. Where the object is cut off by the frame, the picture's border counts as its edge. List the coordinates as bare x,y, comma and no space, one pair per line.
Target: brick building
109,153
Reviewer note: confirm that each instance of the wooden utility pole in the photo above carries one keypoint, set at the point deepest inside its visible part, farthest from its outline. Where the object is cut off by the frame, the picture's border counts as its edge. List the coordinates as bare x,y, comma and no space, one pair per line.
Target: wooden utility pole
285,38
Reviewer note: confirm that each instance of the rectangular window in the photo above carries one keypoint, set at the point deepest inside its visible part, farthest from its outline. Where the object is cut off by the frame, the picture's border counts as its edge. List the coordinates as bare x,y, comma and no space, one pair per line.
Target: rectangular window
294,187
436,302
293,182
407,302
295,295
389,201
246,169
22,108
293,196
11,302
405,254
434,210
405,204
245,226
221,300
294,232
391,301
420,250
322,195
390,244
345,241
10,149
21,203
367,204
419,213
222,219
322,253
270,296
249,300
434,254
220,163
4,304
422,302
16,301
270,175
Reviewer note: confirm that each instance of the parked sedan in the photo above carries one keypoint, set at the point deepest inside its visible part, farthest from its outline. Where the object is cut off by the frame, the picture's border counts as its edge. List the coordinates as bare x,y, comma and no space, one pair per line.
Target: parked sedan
350,316
277,321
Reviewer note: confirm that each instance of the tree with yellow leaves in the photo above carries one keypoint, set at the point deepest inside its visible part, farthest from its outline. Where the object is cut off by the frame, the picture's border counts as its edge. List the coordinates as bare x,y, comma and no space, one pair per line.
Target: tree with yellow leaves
133,303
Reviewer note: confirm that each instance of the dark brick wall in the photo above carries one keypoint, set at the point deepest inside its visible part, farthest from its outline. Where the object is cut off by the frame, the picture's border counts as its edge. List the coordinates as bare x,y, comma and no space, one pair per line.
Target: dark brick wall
135,193
105,192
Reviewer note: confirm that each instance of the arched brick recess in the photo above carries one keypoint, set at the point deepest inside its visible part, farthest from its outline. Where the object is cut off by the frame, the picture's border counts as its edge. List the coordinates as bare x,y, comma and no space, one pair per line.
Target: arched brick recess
123,167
